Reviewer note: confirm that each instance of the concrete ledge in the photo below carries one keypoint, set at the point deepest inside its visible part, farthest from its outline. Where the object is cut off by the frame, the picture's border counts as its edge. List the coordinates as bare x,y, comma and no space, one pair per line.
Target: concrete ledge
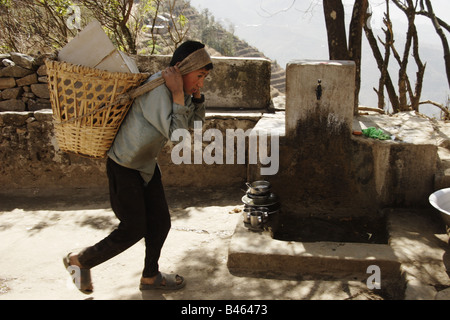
420,242
253,252
414,266
233,83
32,162
272,123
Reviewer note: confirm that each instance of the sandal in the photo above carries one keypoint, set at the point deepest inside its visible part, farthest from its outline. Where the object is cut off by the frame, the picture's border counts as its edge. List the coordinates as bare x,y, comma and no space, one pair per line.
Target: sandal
84,282
170,279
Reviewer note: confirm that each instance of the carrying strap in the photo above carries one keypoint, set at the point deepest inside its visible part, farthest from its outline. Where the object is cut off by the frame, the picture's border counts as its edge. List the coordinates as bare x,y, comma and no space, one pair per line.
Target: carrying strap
196,60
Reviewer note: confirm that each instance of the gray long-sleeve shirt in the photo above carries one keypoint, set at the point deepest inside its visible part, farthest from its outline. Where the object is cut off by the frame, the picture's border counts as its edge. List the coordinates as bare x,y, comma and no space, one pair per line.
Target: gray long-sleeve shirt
149,125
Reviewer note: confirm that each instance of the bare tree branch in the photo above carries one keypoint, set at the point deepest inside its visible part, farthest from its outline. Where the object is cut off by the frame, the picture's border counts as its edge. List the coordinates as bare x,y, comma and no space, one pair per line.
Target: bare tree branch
437,27
440,106
383,63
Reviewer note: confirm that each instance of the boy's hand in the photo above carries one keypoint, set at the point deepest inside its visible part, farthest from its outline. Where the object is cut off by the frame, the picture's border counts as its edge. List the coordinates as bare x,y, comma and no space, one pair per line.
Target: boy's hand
174,81
197,94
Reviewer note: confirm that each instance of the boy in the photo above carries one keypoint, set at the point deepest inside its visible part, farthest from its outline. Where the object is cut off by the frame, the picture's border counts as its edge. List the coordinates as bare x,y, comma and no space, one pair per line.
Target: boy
136,192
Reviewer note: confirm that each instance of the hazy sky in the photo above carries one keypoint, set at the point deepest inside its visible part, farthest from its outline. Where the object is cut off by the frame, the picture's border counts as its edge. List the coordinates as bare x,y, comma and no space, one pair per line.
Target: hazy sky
304,16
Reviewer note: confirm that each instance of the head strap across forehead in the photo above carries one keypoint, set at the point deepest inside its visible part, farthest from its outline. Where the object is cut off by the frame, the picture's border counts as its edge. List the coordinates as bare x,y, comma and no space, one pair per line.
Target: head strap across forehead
196,60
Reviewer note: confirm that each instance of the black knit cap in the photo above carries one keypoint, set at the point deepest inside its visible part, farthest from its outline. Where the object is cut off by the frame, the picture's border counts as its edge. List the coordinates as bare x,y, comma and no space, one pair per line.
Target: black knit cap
185,49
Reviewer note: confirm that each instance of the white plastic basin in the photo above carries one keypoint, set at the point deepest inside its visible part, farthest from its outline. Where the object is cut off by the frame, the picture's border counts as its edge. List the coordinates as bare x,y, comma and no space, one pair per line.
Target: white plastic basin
441,201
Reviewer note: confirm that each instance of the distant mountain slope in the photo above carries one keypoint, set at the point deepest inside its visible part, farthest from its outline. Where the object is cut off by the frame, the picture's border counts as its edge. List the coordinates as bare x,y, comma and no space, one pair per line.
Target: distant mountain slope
240,48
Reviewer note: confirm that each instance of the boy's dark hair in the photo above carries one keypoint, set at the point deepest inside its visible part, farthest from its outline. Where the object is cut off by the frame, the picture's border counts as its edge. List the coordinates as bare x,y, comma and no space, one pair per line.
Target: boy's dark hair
186,49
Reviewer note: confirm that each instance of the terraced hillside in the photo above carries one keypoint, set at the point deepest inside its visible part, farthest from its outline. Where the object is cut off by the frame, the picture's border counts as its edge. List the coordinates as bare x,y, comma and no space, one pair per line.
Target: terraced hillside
243,49
239,48
221,42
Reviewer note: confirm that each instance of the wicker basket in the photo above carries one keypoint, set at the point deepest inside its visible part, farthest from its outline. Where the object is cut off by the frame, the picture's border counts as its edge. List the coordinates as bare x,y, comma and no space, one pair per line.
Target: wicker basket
85,118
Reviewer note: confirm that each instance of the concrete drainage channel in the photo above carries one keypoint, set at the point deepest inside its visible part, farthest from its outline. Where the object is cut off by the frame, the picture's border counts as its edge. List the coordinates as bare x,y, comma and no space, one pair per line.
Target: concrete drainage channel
258,254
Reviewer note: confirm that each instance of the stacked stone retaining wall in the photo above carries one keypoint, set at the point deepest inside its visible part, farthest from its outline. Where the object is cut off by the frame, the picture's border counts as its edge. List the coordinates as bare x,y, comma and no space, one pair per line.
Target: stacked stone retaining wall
23,83
32,164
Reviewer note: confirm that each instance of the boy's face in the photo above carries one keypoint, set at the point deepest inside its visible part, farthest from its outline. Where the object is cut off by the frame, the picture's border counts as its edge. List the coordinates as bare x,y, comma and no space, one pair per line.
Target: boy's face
193,82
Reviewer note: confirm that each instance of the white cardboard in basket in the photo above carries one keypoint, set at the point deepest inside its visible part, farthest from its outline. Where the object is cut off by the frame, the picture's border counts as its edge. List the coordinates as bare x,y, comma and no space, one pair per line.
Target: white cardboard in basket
92,48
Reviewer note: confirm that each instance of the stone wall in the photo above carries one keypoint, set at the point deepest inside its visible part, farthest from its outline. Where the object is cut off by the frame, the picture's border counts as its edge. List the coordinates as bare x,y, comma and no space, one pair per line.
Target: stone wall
233,84
23,83
32,164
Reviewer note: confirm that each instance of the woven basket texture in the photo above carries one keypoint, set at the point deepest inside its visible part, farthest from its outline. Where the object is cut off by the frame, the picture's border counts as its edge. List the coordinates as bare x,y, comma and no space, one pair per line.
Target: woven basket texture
84,117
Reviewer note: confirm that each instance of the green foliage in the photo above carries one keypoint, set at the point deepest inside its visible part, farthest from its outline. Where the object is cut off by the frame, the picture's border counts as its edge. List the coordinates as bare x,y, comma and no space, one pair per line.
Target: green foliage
60,7
29,26
32,26
182,20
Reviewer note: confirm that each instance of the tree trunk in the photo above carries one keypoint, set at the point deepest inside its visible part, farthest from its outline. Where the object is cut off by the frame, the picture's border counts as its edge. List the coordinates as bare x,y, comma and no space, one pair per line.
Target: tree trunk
126,11
444,41
382,66
335,24
355,38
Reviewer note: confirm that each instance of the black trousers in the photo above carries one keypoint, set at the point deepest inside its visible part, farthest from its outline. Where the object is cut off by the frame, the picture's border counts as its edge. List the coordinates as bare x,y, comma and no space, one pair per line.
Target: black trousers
143,213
